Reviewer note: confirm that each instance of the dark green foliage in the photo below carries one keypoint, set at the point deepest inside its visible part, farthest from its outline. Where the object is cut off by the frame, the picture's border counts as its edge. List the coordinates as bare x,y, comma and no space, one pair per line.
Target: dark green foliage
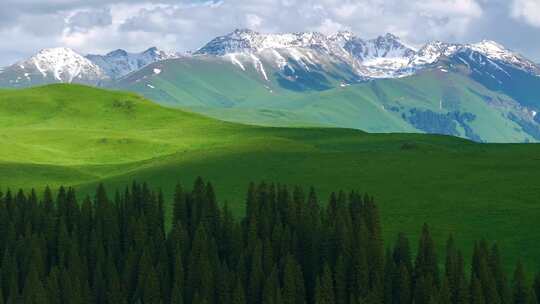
324,293
432,122
426,259
520,290
477,296
536,287
288,249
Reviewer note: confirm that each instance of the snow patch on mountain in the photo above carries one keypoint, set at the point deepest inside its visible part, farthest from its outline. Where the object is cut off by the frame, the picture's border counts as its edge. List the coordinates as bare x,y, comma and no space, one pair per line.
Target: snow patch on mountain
257,64
64,64
234,60
432,52
119,63
307,56
382,57
496,52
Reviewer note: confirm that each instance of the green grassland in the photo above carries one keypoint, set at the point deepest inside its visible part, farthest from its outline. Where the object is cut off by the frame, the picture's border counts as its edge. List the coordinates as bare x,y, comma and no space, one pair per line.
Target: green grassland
219,89
79,136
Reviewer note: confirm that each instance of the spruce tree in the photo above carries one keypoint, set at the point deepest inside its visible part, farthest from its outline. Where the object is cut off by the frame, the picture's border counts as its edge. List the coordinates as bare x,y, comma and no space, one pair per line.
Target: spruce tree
402,252
239,296
499,275
445,295
520,290
256,276
402,288
477,296
532,297
33,291
389,278
271,288
325,287
293,283
340,281
426,259
536,287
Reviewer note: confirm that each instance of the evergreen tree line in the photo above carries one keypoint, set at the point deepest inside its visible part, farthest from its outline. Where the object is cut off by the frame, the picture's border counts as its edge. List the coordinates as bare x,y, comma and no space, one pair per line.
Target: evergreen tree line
288,248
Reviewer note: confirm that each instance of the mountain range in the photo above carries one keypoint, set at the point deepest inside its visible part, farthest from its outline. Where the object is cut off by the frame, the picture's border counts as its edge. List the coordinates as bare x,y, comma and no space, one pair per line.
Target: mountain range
481,91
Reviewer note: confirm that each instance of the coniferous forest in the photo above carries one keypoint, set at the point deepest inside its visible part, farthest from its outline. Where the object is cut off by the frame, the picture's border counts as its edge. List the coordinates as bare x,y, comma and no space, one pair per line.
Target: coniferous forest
289,248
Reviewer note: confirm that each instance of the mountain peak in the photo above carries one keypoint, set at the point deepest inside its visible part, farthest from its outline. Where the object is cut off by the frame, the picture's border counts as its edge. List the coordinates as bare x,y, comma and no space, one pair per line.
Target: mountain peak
152,49
57,51
342,37
244,31
116,53
63,64
120,62
490,48
391,36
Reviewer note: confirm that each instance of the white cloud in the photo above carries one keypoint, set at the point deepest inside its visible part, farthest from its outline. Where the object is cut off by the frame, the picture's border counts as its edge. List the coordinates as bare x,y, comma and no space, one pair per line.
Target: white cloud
527,10
329,26
253,21
93,26
450,8
88,19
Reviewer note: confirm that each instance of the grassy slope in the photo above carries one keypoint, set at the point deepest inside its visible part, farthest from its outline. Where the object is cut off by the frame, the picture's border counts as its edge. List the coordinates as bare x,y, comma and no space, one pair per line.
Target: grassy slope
65,134
222,90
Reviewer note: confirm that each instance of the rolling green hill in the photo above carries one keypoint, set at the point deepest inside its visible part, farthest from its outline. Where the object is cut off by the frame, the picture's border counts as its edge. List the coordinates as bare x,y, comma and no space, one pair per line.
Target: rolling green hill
438,100
76,135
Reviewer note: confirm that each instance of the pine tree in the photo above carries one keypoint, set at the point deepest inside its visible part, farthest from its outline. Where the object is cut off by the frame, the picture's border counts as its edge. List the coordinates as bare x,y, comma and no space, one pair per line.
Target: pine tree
520,290
340,281
425,290
452,267
114,287
426,260
360,268
256,276
34,292
389,278
52,287
477,296
536,287
445,295
10,275
271,288
286,251
325,288
293,283
532,297
180,213
402,252
148,289
375,245
499,275
402,290
462,291
177,296
239,296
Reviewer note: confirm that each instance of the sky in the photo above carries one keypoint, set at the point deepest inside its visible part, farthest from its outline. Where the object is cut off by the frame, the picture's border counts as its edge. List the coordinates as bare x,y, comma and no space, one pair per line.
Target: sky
99,26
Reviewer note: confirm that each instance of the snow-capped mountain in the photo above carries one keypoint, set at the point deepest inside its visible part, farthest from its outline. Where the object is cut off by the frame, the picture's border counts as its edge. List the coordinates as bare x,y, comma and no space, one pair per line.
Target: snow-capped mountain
383,57
52,65
120,63
497,52
438,82
64,65
432,52
245,40
295,60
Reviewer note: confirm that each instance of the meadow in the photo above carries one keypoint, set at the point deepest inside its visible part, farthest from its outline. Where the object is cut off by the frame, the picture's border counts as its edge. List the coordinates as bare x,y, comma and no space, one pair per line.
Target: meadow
80,136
